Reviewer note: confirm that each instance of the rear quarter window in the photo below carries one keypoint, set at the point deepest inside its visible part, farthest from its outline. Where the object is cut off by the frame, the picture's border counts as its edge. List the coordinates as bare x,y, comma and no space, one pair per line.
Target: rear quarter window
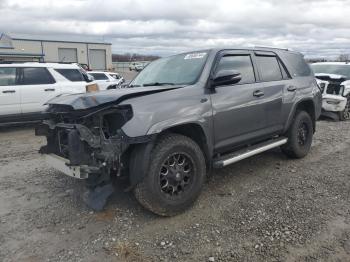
296,64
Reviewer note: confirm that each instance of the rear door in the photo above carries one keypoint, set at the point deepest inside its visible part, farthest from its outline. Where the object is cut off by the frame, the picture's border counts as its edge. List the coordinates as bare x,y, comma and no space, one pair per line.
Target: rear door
37,87
238,109
274,79
9,92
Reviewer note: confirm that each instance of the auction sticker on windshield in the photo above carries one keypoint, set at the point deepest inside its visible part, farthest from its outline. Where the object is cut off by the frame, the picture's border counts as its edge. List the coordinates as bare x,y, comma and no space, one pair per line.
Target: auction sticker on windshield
195,56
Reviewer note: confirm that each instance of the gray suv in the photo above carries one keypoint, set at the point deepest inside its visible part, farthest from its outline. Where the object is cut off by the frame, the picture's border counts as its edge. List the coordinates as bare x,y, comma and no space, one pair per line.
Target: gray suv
179,118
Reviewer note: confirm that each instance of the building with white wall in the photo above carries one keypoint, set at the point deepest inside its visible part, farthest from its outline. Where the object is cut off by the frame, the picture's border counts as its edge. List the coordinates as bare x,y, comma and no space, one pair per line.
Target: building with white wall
96,54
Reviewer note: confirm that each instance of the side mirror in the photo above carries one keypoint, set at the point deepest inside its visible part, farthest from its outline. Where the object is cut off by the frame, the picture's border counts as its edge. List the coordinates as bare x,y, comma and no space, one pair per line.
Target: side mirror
226,77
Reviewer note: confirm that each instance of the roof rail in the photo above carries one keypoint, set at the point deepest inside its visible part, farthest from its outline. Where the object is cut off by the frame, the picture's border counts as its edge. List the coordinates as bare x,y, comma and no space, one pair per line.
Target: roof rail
272,47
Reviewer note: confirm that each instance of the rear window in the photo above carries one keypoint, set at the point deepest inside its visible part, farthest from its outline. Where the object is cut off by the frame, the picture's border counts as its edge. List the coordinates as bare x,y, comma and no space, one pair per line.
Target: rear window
73,75
269,68
35,76
99,76
296,64
7,76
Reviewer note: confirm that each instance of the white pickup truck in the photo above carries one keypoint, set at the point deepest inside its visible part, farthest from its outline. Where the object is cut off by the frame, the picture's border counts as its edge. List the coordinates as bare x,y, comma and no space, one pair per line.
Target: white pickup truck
26,87
334,81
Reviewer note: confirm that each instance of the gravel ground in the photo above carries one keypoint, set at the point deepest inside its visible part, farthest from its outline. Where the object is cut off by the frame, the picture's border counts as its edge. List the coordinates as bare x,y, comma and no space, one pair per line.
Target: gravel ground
266,208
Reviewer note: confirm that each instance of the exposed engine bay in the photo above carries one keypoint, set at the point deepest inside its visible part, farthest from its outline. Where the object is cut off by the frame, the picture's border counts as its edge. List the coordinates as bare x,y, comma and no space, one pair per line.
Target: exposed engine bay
91,144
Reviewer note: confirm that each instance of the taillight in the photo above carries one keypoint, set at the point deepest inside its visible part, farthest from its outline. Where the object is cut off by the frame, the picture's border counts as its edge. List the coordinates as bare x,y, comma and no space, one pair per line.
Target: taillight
92,88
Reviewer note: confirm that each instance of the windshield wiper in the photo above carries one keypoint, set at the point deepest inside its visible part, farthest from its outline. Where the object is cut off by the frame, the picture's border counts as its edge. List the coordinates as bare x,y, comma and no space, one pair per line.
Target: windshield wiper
158,84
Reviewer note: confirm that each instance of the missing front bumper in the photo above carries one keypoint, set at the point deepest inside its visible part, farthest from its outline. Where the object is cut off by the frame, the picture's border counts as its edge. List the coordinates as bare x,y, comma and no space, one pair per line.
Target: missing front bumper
63,165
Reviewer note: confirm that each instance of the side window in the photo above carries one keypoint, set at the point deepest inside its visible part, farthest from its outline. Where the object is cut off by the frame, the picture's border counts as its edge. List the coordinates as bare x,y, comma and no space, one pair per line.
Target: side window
241,63
36,76
7,76
269,68
99,76
73,75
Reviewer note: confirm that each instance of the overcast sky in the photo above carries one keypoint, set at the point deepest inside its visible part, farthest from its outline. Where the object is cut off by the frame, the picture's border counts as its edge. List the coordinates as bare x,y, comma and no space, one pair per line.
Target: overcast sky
316,28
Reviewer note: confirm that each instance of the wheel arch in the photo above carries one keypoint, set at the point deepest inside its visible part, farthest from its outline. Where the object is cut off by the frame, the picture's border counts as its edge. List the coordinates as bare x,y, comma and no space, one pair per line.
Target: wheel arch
306,105
140,154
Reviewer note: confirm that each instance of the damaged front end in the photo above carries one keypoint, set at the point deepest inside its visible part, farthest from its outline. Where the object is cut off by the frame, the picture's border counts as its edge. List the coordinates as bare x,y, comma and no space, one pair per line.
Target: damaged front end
335,95
88,144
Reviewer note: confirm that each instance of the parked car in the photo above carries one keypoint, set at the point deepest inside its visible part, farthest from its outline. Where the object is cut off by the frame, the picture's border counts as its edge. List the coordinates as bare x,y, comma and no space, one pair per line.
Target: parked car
334,81
26,87
107,80
180,117
136,66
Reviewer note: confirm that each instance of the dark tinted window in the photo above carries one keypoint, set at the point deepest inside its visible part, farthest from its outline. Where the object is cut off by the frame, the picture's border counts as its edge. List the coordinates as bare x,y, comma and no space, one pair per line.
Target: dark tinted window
296,64
99,76
35,76
269,68
7,76
73,75
241,63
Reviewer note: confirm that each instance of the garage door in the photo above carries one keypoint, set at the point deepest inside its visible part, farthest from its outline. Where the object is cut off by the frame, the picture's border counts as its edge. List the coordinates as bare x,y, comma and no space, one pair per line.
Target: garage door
67,55
97,59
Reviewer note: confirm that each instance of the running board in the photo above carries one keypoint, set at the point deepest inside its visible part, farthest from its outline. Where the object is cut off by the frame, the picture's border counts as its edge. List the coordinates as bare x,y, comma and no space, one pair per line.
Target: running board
248,152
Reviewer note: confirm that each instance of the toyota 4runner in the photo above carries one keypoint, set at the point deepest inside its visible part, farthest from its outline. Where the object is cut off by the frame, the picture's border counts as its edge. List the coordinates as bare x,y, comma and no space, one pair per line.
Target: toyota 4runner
180,117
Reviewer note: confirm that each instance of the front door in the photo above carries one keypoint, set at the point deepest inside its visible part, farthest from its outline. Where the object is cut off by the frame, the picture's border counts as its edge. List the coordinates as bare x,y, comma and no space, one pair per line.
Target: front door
238,109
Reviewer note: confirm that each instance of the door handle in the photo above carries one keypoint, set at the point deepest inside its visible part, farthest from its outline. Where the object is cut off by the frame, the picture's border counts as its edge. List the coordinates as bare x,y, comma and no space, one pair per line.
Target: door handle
291,88
258,93
49,89
9,91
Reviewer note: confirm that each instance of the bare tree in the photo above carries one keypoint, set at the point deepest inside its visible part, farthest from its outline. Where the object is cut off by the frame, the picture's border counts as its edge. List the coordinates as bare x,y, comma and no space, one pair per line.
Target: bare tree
343,58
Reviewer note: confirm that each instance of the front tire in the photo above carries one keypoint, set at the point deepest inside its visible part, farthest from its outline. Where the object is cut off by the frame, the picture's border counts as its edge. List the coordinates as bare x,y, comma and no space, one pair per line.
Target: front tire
299,135
345,115
175,177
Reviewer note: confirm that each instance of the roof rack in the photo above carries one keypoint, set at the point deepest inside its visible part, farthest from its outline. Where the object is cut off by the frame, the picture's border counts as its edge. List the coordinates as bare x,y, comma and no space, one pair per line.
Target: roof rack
272,47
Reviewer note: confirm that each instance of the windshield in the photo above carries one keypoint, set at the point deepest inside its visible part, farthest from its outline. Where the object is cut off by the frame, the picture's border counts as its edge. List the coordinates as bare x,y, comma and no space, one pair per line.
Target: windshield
332,69
183,69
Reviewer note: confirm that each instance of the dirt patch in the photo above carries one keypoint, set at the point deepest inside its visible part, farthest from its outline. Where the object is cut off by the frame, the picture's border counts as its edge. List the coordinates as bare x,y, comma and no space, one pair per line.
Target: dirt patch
266,208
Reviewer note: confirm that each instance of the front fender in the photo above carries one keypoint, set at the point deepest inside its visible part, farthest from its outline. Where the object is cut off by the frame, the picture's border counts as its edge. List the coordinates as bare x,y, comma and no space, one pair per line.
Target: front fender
172,122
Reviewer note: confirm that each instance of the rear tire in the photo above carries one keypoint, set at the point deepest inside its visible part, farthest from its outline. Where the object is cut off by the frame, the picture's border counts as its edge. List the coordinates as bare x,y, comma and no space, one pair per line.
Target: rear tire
299,135
175,176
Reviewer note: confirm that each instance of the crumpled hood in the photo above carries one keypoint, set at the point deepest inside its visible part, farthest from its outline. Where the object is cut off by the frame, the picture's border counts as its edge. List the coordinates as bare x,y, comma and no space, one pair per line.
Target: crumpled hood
89,100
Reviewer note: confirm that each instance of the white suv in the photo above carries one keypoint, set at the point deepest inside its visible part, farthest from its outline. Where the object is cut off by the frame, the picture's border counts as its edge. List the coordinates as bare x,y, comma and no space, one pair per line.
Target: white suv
26,87
107,80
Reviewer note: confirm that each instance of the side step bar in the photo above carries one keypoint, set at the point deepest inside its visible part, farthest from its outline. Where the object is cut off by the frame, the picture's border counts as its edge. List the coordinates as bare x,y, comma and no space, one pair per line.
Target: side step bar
248,152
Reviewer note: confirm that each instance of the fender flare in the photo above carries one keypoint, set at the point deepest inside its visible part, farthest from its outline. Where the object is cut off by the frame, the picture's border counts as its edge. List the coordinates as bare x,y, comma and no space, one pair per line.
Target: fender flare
293,111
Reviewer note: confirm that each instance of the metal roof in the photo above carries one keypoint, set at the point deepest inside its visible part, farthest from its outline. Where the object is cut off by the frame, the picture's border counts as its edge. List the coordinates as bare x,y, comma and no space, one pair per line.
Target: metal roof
60,38
5,41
